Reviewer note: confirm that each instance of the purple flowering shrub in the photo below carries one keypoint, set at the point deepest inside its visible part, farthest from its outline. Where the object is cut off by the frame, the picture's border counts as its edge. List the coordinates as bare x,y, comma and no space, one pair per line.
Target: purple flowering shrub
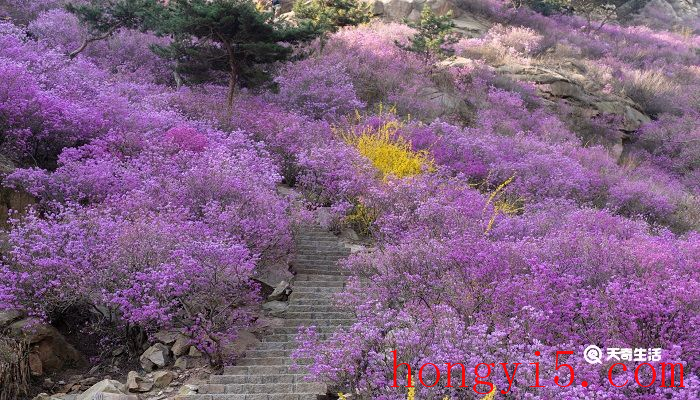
38,123
185,214
126,53
551,279
318,88
155,220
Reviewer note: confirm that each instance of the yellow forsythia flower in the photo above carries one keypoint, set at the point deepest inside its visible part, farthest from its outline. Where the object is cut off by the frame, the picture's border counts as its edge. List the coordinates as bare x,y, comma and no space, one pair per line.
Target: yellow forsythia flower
491,395
411,393
389,152
362,218
341,396
501,205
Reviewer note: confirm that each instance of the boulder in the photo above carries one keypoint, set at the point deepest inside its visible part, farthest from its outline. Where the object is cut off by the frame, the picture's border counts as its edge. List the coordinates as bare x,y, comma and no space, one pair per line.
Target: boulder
188,390
275,307
166,337
180,363
281,292
136,383
102,388
244,340
49,349
9,316
181,345
194,352
36,367
156,356
162,379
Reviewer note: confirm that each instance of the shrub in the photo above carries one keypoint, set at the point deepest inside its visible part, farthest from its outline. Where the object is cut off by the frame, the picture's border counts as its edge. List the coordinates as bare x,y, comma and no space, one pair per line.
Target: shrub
127,52
652,90
390,153
317,88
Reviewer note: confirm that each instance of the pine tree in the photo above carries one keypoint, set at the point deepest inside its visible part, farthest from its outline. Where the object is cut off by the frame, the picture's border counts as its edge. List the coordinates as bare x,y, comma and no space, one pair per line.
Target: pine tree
231,36
103,18
434,32
331,15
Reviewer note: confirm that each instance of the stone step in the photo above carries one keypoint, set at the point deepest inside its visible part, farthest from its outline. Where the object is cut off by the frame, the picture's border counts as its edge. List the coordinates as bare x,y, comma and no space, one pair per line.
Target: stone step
315,308
273,361
248,378
314,315
319,284
320,268
268,372
262,353
292,330
319,290
290,337
317,257
316,245
321,246
285,345
328,301
307,239
319,264
309,270
263,388
317,322
310,294
318,278
332,254
260,370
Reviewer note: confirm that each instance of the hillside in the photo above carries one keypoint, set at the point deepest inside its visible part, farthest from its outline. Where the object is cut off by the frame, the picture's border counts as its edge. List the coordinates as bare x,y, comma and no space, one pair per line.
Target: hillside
199,195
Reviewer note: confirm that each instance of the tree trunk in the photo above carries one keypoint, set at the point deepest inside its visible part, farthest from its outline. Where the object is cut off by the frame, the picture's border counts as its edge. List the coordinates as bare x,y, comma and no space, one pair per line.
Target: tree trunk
89,40
232,81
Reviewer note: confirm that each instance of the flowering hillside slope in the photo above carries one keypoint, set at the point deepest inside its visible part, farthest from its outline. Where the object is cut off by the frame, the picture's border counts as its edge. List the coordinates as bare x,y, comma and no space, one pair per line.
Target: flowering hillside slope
536,191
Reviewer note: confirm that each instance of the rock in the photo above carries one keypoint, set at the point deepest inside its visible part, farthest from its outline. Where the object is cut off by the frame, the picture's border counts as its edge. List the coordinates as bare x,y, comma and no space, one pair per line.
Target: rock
244,341
117,352
471,25
269,275
115,396
194,352
47,345
9,316
42,396
281,292
375,7
162,379
166,337
156,356
188,390
181,363
35,365
181,345
103,387
47,384
136,383
348,233
275,307
87,382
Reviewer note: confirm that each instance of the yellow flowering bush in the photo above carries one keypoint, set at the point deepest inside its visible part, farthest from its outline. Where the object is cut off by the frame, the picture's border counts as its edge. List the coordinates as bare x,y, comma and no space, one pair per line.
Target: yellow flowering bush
388,151
502,204
361,219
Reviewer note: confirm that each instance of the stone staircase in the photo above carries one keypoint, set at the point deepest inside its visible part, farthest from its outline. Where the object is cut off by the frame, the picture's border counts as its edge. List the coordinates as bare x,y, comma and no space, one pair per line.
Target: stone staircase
266,373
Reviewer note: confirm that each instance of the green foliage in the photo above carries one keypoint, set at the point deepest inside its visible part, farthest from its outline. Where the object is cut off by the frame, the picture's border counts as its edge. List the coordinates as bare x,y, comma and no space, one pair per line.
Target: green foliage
330,15
434,32
545,7
232,36
104,18
598,10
